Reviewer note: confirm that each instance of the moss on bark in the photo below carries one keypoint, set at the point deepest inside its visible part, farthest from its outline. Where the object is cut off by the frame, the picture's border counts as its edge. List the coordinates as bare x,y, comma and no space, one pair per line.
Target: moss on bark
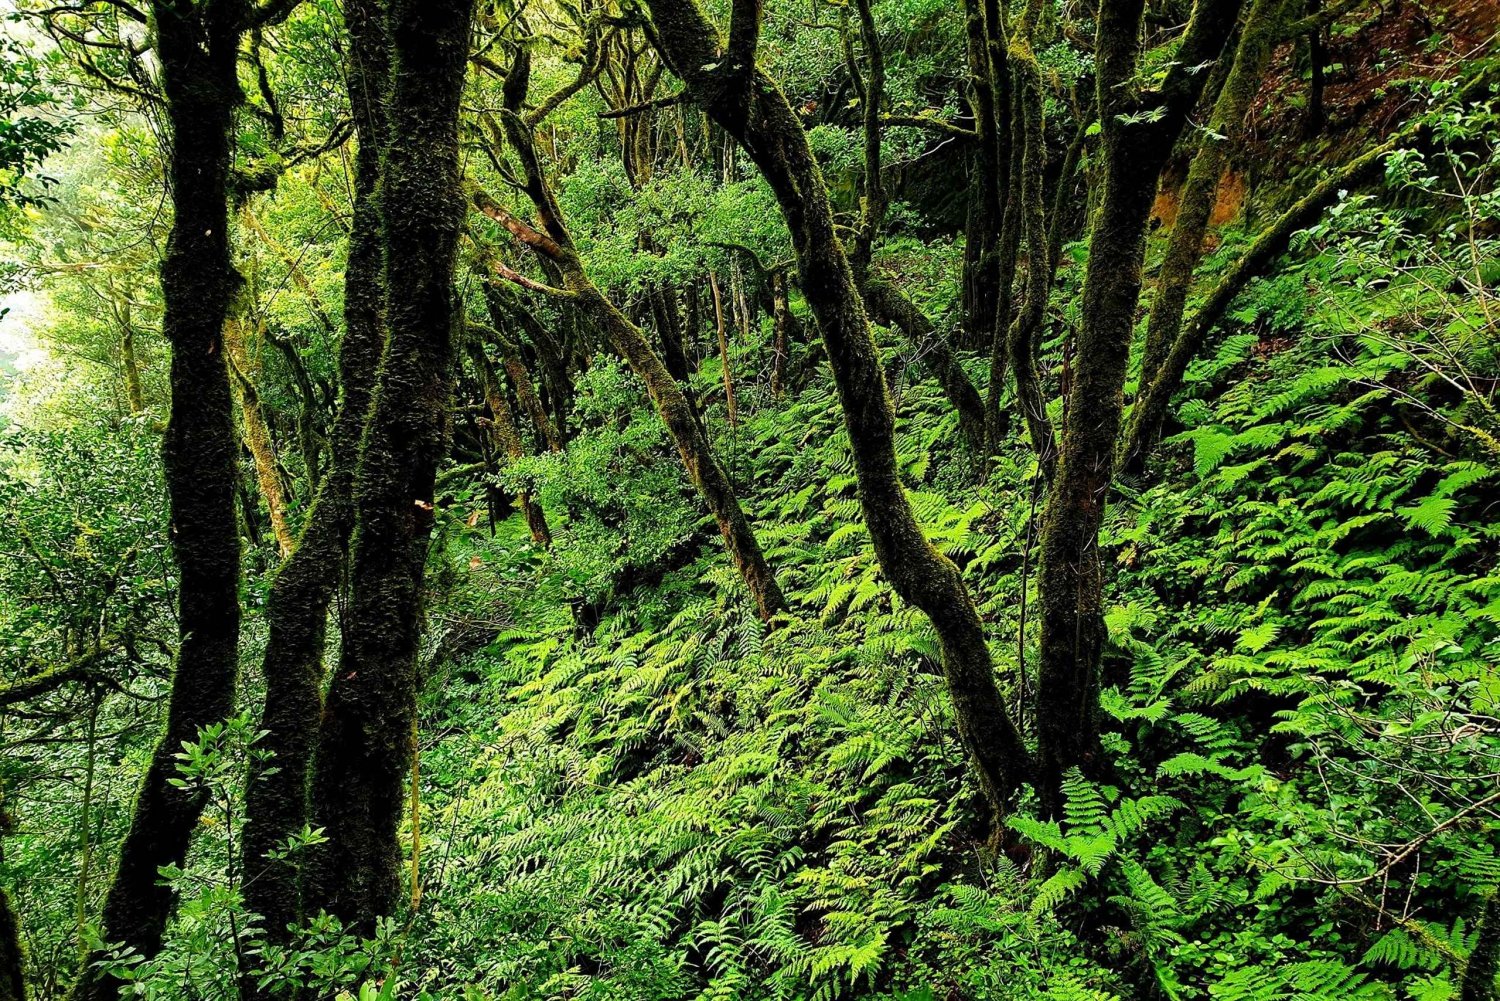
197,46
755,112
366,743
1137,139
277,805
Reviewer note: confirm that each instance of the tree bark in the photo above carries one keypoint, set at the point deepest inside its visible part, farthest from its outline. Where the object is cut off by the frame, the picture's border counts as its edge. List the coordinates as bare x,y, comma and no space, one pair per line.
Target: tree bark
197,46
1136,142
987,103
277,804
130,362
1478,983
755,112
729,402
508,443
780,314
1195,206
1026,327
258,437
12,952
367,741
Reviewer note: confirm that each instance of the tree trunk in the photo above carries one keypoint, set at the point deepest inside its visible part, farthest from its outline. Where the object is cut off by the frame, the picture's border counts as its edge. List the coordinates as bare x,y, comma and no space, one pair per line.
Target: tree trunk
297,614
507,442
555,245
367,741
749,106
1026,327
890,307
12,953
987,186
197,45
729,401
1185,248
1070,581
780,314
258,437
669,331
130,362
1478,983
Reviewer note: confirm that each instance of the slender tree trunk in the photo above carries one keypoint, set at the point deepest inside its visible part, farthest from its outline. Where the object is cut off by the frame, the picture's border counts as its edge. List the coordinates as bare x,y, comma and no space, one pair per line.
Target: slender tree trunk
1185,248
1026,327
258,437
197,46
780,315
554,244
747,104
892,308
366,744
671,404
507,442
1070,581
277,796
987,186
520,380
1317,59
669,330
729,401
552,354
130,362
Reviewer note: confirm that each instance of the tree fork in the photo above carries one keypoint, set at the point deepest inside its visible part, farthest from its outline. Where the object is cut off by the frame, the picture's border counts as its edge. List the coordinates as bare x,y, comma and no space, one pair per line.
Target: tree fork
276,799
365,746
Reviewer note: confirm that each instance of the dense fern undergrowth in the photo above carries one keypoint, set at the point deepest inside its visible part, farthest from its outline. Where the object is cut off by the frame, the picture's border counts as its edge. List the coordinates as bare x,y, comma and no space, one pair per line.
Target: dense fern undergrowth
647,794
1301,684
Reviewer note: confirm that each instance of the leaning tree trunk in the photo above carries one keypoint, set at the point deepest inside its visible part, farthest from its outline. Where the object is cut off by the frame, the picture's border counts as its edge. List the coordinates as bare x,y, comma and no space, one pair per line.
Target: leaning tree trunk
367,742
197,47
553,245
297,614
1195,207
1136,142
748,105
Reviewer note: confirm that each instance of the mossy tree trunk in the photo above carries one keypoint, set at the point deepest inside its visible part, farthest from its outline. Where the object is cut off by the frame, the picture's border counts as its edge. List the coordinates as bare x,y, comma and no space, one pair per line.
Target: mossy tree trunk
257,434
1137,137
554,243
277,796
1196,203
1478,983
1031,219
988,103
748,105
197,48
12,953
781,317
366,744
507,441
